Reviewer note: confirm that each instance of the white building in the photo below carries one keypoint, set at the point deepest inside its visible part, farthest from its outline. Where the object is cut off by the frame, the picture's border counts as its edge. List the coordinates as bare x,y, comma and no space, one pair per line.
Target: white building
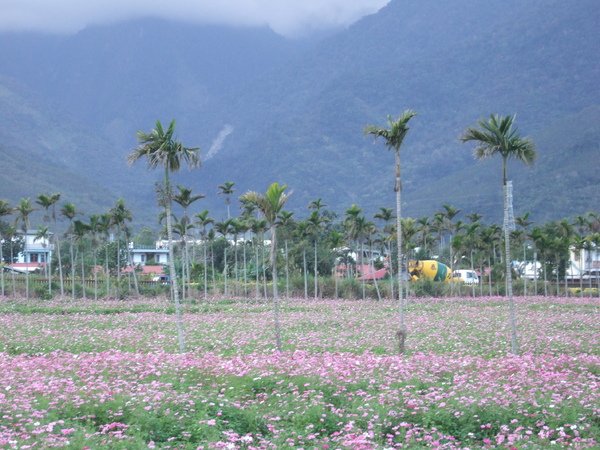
157,255
35,255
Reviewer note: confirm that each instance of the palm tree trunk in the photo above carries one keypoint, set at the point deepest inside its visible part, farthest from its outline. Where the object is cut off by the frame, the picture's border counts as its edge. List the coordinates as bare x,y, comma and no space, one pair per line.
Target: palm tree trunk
119,263
335,279
402,332
514,344
1,268
205,273
372,264
225,270
287,272
362,267
212,266
106,270
276,312
264,267
26,256
82,275
60,267
235,267
316,293
12,259
245,270
257,272
305,273
535,272
490,276
392,278
73,263
48,270
182,260
135,280
95,274
172,273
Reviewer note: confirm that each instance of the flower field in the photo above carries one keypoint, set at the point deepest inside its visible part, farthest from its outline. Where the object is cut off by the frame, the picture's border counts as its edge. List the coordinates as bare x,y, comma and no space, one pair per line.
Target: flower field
106,374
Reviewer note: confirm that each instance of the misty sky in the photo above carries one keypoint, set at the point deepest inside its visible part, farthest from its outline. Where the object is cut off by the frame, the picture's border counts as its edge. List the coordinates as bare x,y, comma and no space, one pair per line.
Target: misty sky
286,17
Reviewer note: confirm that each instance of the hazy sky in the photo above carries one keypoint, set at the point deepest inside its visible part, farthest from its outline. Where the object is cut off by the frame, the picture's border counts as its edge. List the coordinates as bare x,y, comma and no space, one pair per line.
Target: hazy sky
287,17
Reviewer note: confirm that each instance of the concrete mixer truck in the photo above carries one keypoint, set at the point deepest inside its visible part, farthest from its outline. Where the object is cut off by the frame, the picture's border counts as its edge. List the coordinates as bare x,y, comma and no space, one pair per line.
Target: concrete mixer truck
429,269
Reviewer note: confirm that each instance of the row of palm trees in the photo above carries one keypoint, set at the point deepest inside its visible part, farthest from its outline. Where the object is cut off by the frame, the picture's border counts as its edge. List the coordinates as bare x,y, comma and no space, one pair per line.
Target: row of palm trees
214,253
160,149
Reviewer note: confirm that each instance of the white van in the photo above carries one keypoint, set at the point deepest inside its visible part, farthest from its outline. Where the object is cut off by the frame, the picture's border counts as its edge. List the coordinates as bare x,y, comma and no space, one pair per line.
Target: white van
465,276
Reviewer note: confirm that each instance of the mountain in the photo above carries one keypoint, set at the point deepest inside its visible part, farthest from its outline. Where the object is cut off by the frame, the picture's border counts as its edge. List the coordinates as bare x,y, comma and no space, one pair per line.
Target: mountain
263,108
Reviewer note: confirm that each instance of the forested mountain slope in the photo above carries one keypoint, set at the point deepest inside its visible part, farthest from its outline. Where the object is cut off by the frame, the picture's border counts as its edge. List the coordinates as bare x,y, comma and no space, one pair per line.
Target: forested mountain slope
294,112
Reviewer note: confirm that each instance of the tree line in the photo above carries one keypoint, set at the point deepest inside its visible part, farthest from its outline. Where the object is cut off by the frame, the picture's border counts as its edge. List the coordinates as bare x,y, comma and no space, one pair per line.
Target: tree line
239,255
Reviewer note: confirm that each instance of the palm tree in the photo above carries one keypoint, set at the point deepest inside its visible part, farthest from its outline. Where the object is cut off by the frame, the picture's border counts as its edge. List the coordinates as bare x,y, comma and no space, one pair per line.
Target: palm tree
203,220
95,228
393,137
356,227
5,210
104,227
336,240
315,221
286,224
69,212
270,205
226,189
48,202
499,136
160,148
225,228
120,215
10,233
80,230
524,222
184,198
258,228
24,210
386,215
43,234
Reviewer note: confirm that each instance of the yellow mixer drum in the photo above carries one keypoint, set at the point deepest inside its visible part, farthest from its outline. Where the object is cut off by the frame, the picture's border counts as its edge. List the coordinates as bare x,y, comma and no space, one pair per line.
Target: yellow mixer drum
429,269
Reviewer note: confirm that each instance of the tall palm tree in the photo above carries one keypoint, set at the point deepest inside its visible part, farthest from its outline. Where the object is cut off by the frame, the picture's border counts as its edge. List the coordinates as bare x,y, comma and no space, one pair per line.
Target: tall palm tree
203,220
160,148
226,189
524,222
356,228
258,228
80,231
225,228
120,215
270,204
499,136
10,234
48,202
69,212
95,229
335,240
315,222
184,198
43,234
5,210
393,137
104,227
386,215
286,225
23,211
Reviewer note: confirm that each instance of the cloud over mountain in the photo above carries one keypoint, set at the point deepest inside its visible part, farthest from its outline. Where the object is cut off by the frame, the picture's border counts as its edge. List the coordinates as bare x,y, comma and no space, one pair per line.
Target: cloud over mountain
288,18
